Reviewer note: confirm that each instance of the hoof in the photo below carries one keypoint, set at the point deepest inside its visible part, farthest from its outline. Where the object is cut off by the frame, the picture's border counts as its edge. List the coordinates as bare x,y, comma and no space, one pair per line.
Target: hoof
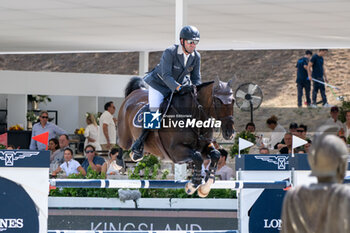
190,188
135,157
204,189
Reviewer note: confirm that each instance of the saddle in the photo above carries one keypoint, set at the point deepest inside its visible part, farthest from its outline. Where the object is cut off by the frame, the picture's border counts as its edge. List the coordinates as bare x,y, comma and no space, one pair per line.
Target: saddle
138,118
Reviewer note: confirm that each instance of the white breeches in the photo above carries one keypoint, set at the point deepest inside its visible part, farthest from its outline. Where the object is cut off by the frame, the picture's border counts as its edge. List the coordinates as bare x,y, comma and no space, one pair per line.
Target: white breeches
155,98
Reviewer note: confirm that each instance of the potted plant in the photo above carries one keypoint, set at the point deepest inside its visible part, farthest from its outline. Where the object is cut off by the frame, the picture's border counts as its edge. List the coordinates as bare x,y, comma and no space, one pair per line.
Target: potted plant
31,119
36,99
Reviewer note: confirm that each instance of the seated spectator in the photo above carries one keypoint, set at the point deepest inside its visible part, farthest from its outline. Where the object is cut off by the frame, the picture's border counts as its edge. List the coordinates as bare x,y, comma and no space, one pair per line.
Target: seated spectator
10,147
58,156
277,131
224,171
300,151
333,120
293,129
347,124
250,127
287,148
70,166
264,151
307,146
343,138
53,145
113,165
302,131
92,160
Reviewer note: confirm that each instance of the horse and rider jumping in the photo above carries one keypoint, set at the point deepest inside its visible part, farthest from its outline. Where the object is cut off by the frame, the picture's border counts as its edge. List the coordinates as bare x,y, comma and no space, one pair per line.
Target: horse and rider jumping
177,80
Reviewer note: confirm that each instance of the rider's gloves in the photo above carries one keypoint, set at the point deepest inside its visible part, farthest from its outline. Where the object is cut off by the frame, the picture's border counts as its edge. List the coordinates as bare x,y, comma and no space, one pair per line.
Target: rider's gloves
185,89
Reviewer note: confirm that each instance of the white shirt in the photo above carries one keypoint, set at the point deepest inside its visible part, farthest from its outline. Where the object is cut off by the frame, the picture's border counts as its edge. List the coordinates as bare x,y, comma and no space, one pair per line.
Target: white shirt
92,132
180,51
347,131
277,135
226,173
107,118
112,167
70,167
337,123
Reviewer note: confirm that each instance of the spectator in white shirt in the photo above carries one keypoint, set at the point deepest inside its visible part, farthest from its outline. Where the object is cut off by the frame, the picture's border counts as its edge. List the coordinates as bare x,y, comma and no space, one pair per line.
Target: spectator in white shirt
333,120
107,131
347,124
69,166
224,171
91,132
278,131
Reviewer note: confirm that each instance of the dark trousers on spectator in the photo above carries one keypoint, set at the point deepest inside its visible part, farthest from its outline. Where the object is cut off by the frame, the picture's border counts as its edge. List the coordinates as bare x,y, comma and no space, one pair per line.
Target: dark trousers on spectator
307,87
318,86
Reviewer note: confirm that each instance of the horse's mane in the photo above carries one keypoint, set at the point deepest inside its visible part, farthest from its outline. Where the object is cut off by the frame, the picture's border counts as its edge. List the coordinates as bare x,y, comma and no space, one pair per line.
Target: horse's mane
134,84
204,84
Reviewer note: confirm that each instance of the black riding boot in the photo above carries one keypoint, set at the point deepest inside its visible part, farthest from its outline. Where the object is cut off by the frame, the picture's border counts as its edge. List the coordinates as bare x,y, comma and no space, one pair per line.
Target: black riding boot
137,147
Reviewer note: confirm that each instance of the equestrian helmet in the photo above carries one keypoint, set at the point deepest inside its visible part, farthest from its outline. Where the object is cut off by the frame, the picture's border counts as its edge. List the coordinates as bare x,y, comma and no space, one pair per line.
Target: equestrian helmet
189,33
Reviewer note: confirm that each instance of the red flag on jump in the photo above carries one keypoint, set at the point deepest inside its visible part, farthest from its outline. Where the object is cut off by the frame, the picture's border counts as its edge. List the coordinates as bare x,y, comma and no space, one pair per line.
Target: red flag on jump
3,139
42,138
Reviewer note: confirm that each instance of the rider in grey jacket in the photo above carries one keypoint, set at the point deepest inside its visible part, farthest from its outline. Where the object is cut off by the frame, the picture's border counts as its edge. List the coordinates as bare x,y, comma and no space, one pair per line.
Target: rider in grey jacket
178,70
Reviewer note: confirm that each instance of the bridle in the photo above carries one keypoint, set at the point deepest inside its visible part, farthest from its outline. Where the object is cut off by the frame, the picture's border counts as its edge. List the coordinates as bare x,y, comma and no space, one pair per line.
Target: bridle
202,136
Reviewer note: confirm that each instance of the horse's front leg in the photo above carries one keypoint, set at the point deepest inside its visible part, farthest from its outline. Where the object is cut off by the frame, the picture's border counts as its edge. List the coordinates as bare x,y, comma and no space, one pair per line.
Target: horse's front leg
204,189
193,185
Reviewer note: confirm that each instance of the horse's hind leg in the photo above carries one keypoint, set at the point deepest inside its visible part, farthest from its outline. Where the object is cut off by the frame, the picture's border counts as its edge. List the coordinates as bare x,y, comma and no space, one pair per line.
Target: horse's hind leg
192,186
204,189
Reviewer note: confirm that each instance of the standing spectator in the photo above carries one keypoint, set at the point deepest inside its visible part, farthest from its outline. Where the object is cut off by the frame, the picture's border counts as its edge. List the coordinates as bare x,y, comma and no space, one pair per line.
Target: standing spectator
333,120
224,171
53,145
70,166
277,131
316,71
42,127
347,124
302,78
107,131
92,160
58,156
91,132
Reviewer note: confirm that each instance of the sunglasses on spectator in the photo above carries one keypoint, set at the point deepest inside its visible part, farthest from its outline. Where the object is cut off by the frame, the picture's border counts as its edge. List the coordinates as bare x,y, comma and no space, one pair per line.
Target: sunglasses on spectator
45,117
89,151
300,131
193,42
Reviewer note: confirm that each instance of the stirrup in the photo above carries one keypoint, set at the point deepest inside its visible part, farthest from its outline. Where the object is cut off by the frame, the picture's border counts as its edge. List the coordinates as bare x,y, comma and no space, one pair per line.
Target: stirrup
137,151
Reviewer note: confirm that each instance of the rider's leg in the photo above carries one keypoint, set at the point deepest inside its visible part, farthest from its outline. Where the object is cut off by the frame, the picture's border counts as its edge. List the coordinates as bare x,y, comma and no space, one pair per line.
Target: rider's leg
155,98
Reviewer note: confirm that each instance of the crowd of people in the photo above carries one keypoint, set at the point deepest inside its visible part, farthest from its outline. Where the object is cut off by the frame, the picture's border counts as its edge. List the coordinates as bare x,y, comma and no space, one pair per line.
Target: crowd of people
97,138
280,139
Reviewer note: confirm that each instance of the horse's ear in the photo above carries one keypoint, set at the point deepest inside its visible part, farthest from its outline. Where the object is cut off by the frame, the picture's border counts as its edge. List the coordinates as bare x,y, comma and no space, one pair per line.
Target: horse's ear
217,81
230,82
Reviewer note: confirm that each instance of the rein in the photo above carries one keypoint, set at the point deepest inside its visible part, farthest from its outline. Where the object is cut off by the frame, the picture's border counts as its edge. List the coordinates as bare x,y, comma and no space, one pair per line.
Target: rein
195,104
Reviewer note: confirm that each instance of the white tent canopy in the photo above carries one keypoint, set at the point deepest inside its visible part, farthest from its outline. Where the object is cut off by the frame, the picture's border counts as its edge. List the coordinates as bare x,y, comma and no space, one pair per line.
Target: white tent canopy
149,25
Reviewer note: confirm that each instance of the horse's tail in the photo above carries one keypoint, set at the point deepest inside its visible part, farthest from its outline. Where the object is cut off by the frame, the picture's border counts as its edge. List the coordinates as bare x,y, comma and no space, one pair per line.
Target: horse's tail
134,84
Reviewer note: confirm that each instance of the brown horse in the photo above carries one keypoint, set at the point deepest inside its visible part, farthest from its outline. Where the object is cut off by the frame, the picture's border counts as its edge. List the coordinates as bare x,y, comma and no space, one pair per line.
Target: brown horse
182,144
